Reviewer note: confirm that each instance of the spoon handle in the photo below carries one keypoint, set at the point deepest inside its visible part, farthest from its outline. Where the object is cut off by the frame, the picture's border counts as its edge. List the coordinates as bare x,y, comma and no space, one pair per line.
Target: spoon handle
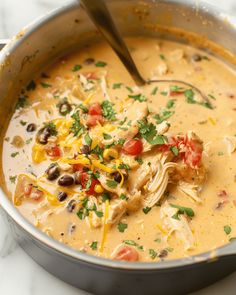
99,14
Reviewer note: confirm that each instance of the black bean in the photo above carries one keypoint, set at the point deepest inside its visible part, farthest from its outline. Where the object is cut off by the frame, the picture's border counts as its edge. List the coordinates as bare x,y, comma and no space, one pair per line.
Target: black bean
117,177
66,180
53,172
163,253
62,196
71,206
196,57
43,135
89,61
85,149
31,127
64,108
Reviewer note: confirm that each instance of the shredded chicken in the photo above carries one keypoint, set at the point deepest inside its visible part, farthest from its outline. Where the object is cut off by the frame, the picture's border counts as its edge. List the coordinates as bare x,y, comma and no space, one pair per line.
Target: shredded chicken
230,142
191,190
178,226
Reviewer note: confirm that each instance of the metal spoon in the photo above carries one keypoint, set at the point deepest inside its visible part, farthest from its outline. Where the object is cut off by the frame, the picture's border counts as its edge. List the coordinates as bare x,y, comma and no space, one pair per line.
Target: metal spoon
99,14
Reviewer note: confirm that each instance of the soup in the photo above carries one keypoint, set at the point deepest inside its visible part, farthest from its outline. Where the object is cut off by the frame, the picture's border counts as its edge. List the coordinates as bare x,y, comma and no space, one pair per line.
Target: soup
125,172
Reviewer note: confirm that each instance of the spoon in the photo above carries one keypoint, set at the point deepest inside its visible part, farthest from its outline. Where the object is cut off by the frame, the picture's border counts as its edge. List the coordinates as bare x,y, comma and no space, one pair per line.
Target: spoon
99,14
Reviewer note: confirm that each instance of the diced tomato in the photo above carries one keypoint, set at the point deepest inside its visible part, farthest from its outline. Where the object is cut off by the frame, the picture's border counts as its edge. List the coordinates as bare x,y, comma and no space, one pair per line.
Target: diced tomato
36,194
91,75
78,167
189,149
53,150
94,119
84,178
126,253
95,109
175,93
27,188
133,147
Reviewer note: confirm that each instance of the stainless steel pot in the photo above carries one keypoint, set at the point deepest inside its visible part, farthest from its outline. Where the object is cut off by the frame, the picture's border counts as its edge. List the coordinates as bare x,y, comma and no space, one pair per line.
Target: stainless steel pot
54,35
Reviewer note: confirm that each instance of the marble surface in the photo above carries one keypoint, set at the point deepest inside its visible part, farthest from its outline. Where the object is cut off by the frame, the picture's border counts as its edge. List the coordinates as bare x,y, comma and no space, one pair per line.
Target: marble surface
19,274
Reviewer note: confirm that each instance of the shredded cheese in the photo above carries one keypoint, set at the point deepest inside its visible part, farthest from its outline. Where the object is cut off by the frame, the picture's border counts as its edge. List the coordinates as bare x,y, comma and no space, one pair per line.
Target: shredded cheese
106,226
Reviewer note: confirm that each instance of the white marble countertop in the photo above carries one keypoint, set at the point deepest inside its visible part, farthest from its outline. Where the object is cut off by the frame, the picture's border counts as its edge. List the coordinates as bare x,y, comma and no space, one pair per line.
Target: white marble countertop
19,274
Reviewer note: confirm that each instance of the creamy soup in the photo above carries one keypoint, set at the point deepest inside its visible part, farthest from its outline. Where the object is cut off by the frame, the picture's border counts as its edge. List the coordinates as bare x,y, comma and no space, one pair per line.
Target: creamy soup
125,172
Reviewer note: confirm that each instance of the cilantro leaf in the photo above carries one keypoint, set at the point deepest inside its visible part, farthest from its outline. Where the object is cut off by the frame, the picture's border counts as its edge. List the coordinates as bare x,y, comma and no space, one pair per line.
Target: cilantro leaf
108,111
149,133
227,229
138,97
111,183
122,227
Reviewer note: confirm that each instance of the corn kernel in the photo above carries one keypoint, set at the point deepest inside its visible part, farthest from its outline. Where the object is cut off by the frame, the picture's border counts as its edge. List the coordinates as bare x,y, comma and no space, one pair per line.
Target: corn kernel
98,189
110,153
38,154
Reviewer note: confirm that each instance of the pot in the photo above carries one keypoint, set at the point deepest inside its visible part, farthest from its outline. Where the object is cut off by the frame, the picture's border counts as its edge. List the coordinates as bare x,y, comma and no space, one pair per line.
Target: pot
42,42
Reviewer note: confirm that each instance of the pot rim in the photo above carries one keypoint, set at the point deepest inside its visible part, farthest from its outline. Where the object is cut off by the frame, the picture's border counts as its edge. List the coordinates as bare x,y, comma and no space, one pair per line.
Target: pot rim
62,249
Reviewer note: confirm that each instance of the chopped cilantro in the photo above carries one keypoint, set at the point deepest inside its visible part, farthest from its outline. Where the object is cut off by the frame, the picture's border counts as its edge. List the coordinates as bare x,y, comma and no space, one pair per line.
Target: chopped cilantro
88,139
174,150
52,128
45,85
106,196
139,160
116,85
99,213
80,213
133,243
122,227
108,111
123,121
76,68
83,108
139,97
170,103
98,151
227,229
129,89
12,179
28,141
162,56
124,166
100,64
146,210
13,155
165,93
149,133
212,96
154,91
152,253
94,245
111,183
220,153
189,94
182,210
106,136
23,123
77,128
31,86
121,141
123,197
22,102
163,116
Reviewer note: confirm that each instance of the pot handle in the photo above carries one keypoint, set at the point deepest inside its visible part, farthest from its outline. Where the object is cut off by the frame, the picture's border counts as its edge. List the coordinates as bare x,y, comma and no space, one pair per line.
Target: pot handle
3,42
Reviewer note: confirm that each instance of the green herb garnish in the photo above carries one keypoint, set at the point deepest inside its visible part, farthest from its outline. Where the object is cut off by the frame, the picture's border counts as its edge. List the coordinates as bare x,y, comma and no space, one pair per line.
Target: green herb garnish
133,243
106,136
108,111
45,85
12,179
100,64
152,253
88,139
122,227
13,155
116,85
111,183
227,229
154,91
138,97
149,133
94,245
77,128
146,210
182,210
31,86
76,68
